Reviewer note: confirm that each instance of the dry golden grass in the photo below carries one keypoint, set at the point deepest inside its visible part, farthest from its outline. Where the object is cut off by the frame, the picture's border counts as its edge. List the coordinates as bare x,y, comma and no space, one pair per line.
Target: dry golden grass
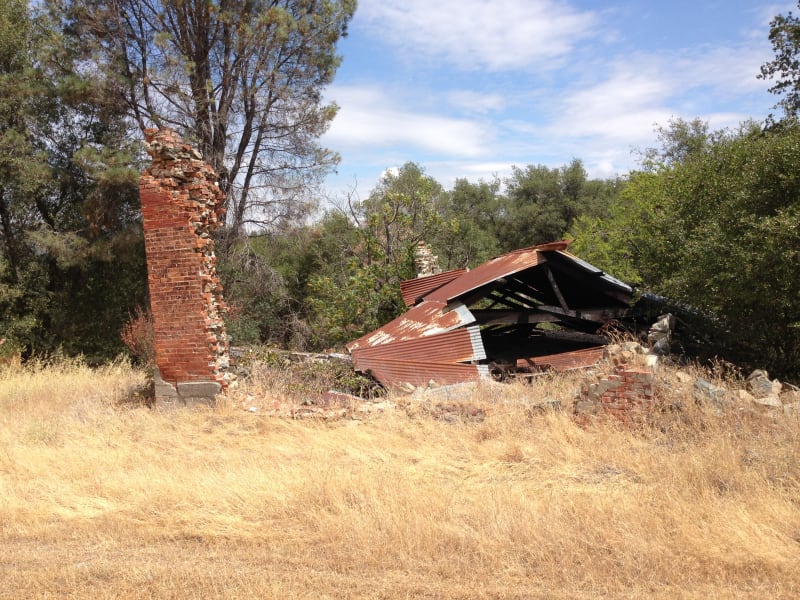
104,500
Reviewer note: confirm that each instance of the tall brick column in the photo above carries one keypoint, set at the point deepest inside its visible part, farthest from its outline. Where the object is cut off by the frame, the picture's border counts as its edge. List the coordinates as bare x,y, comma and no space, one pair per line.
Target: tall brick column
181,207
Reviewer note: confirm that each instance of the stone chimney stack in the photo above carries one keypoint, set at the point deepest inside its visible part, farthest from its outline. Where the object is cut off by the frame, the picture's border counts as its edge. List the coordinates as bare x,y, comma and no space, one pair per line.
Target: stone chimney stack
425,261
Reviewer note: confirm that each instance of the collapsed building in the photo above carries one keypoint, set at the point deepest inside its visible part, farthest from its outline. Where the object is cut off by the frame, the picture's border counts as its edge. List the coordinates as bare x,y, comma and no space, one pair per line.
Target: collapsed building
524,312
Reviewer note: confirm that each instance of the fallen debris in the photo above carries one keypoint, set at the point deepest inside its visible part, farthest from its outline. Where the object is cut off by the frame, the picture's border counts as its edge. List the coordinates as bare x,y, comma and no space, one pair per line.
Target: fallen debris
759,384
517,315
627,392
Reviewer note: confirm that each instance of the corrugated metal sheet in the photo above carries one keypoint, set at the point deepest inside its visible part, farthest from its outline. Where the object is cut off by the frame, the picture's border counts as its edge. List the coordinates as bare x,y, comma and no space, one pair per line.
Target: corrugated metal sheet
427,318
458,345
494,269
486,273
595,271
414,289
564,361
431,341
559,246
393,373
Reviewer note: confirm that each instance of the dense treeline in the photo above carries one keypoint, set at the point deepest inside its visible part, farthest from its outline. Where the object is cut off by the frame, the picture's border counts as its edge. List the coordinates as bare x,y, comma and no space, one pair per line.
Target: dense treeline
81,79
711,219
324,284
72,259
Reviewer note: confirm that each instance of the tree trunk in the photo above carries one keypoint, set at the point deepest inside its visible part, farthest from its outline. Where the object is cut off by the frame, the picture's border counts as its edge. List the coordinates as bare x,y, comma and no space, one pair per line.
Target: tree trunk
12,254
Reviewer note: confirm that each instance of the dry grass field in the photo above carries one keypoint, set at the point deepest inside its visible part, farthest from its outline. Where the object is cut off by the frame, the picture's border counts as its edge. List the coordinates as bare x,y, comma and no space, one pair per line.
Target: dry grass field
103,499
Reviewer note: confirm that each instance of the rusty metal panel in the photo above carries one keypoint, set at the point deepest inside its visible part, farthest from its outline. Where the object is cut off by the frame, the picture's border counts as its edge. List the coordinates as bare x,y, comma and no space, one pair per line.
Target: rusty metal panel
414,289
488,272
431,341
564,361
559,246
393,373
424,319
458,345
595,271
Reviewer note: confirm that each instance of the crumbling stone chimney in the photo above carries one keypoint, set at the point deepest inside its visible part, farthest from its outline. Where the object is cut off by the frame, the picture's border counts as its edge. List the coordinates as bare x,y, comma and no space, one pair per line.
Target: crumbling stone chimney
181,207
425,261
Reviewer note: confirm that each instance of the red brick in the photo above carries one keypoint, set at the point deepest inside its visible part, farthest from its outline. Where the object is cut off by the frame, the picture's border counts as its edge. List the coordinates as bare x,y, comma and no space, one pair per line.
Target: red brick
186,347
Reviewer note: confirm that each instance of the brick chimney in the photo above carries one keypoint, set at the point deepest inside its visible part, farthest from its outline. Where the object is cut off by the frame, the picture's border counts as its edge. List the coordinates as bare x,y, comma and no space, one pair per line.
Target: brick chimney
181,207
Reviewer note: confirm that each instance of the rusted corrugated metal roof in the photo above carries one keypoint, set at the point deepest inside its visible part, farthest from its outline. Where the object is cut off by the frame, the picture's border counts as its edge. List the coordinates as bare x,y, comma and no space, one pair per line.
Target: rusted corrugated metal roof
414,289
393,373
431,341
564,361
514,262
595,271
427,318
490,271
459,345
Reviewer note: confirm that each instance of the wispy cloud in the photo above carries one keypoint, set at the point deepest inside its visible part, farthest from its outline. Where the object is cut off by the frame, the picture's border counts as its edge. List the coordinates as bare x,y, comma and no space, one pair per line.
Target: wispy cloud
765,14
475,34
474,101
644,90
477,100
370,118
731,70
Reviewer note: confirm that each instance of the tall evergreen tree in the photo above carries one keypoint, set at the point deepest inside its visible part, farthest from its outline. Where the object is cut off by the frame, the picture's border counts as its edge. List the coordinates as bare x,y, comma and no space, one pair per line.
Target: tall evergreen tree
784,33
72,256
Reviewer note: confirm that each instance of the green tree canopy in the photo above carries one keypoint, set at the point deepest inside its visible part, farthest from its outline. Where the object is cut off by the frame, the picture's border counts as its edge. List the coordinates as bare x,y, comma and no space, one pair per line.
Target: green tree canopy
784,33
397,214
718,230
71,253
541,203
469,219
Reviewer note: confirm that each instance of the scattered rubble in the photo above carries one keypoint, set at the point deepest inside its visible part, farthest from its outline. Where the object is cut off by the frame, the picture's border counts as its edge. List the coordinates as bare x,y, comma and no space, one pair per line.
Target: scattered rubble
759,393
628,384
624,386
660,335
631,390
705,391
627,392
519,314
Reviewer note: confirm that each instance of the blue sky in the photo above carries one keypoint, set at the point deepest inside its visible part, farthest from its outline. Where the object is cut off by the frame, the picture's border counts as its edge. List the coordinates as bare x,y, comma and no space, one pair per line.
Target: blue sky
468,88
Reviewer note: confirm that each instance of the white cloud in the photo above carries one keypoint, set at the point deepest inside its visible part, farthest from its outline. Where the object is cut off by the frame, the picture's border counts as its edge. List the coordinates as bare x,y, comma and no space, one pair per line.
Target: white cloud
644,90
730,70
623,107
370,118
598,107
479,35
446,172
486,170
476,101
765,14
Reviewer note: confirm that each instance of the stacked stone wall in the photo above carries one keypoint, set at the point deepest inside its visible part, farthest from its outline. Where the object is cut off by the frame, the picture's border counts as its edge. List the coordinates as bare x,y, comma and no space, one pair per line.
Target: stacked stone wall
425,261
181,207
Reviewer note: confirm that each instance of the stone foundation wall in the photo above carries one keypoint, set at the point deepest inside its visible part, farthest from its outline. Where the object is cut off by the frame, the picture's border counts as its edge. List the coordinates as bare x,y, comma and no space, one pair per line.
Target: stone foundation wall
181,207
